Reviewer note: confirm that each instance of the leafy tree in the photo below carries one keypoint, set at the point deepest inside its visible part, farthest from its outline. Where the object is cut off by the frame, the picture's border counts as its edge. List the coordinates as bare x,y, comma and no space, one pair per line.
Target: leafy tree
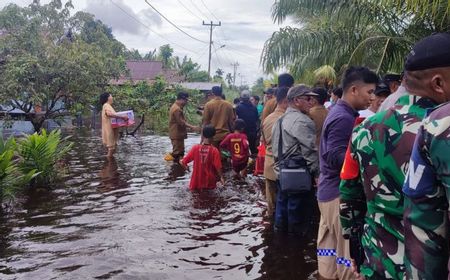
94,32
258,87
165,54
47,67
229,79
199,76
155,100
132,55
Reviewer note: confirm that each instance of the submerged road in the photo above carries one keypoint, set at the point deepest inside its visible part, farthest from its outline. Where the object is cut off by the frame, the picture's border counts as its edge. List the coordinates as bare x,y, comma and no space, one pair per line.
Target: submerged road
134,218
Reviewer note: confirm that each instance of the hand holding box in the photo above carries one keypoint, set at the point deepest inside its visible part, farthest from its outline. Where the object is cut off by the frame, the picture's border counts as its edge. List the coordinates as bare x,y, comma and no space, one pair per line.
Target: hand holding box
116,122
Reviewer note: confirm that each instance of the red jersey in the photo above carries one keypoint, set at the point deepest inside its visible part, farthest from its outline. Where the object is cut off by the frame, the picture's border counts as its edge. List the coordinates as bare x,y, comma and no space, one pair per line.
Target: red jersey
350,168
207,163
237,145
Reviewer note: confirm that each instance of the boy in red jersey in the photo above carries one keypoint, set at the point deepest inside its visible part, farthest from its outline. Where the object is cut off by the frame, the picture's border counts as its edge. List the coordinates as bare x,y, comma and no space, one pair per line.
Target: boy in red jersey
207,162
237,144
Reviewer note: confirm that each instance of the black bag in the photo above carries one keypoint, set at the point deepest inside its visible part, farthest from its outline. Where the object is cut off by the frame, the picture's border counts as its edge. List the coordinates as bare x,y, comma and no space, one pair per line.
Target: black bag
294,175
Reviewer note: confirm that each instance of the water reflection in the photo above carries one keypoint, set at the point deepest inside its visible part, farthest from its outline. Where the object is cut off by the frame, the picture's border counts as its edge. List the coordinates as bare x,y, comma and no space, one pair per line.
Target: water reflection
110,176
176,171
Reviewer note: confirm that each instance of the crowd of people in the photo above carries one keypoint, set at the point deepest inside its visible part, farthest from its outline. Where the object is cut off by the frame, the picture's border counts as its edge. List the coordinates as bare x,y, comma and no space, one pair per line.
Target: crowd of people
373,154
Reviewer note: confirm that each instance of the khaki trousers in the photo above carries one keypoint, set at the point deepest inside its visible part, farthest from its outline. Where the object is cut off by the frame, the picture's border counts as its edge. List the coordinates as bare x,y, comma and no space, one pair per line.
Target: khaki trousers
177,148
271,197
333,251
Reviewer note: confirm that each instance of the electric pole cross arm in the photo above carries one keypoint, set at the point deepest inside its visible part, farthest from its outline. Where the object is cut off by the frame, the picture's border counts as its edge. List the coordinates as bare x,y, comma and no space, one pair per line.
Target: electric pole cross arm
211,25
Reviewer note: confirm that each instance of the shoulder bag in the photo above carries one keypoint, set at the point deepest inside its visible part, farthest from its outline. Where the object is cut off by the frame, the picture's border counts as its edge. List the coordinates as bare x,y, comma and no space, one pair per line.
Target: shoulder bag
294,175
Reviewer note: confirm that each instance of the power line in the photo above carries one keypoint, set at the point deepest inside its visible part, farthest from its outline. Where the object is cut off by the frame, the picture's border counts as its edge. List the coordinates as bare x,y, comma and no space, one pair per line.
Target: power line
173,24
209,10
202,54
137,20
200,11
237,51
225,53
217,56
187,9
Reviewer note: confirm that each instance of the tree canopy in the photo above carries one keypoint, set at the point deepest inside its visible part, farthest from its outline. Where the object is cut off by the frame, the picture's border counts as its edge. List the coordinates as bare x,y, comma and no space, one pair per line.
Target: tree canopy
50,58
377,34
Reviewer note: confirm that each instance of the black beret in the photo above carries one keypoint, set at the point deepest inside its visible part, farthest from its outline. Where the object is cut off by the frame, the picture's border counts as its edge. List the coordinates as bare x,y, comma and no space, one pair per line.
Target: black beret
430,52
382,89
392,78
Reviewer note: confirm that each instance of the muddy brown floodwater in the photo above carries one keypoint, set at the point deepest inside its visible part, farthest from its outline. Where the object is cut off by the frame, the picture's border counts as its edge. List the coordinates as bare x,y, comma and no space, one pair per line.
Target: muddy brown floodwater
134,218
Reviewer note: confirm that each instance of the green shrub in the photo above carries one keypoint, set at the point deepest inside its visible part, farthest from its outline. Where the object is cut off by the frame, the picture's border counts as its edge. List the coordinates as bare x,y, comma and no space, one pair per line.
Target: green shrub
154,101
8,145
11,177
41,152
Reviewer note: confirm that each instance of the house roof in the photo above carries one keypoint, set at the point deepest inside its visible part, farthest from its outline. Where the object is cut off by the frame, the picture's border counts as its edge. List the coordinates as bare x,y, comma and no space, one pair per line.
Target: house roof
203,86
144,70
147,70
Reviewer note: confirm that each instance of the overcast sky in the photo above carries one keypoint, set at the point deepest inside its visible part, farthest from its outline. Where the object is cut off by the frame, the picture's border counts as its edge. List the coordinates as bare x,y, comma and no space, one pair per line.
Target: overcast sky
246,25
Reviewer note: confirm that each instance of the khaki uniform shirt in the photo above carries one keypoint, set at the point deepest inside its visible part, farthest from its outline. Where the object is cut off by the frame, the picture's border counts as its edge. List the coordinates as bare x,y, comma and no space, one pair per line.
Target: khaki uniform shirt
267,126
177,123
220,114
318,115
269,107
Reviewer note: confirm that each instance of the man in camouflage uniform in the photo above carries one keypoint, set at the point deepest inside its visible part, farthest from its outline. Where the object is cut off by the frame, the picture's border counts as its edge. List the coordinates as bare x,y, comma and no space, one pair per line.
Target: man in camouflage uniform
372,179
427,187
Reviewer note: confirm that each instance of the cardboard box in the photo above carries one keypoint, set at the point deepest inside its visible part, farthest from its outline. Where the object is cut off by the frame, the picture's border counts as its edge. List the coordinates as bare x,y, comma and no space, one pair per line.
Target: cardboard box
115,122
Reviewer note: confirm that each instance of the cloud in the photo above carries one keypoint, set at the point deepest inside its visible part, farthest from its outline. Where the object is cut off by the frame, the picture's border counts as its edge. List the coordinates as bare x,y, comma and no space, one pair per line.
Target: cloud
150,17
121,18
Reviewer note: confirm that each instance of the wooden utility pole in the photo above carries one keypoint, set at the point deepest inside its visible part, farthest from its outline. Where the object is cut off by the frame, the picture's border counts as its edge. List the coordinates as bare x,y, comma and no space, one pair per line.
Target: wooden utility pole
210,44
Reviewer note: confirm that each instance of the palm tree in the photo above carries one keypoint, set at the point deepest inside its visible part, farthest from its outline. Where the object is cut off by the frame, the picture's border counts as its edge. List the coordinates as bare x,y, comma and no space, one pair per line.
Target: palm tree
338,33
186,67
219,73
165,54
151,55
229,79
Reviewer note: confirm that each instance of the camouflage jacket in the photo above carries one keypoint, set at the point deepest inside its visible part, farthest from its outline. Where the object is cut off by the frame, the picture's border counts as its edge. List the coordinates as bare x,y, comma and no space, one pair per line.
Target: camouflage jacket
372,180
427,195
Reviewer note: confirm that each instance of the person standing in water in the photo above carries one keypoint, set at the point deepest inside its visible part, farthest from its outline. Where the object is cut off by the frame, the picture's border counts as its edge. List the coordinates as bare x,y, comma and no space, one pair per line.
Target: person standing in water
207,162
178,126
110,135
237,144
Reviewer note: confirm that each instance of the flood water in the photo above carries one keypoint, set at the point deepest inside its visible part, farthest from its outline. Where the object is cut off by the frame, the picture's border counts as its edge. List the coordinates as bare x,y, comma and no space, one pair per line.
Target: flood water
134,218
